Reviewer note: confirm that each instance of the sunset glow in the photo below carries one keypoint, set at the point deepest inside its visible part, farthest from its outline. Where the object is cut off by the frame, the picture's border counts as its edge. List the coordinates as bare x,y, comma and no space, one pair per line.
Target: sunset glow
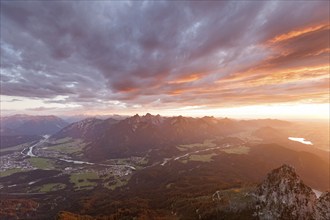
154,58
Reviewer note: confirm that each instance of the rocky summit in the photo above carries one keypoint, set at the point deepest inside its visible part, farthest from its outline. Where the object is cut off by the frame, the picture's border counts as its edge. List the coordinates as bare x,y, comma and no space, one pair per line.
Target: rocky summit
283,195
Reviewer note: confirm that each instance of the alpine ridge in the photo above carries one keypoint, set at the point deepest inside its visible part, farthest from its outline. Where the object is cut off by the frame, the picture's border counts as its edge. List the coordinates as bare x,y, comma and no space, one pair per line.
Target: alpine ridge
283,195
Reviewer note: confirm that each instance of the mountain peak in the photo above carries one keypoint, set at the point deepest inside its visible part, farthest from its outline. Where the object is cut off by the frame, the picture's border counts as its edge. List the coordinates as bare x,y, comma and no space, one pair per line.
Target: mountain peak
282,195
284,171
86,122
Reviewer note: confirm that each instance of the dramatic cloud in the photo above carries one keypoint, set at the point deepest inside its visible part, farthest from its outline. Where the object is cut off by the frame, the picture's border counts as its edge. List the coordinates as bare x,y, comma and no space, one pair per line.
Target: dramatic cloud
153,55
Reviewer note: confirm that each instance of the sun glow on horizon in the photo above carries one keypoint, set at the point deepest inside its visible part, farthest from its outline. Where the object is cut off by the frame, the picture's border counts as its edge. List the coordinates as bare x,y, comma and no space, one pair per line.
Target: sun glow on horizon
281,111
318,111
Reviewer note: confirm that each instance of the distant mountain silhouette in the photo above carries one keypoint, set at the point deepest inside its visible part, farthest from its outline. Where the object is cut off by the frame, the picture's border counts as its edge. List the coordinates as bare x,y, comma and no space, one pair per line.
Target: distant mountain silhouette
138,134
31,125
270,134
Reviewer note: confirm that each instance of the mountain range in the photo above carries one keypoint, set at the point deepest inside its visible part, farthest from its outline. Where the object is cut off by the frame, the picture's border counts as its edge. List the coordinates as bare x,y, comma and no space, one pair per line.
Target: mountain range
137,135
19,129
155,167
31,125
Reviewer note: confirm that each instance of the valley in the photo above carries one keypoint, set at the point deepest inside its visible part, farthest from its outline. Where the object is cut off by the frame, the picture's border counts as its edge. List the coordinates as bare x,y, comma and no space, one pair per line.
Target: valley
63,155
94,165
60,156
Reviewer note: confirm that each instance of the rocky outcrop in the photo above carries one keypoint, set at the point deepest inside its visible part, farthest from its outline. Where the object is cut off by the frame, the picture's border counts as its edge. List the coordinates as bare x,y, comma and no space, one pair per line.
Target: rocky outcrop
282,195
322,207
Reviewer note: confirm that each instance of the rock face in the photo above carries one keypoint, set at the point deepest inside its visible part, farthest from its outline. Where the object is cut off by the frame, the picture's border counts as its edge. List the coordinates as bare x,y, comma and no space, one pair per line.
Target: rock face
322,207
282,195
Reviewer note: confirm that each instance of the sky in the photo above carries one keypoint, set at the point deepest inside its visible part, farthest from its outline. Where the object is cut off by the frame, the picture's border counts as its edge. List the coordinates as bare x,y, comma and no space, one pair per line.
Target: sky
243,59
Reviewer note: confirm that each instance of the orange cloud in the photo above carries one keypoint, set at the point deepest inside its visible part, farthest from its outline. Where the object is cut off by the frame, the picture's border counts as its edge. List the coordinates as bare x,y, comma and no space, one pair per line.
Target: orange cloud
268,77
297,33
292,75
186,79
176,92
304,58
322,51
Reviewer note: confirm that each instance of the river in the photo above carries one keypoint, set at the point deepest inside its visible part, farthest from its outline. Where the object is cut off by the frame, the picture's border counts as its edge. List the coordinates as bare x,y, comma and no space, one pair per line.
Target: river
45,139
30,149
